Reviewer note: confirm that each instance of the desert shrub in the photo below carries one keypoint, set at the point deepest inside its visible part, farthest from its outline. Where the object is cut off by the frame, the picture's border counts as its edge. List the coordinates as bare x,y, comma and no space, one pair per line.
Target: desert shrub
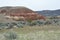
10,25
40,22
48,22
10,35
14,23
54,17
5,25
37,22
20,25
2,26
31,24
57,22
29,21
21,22
52,22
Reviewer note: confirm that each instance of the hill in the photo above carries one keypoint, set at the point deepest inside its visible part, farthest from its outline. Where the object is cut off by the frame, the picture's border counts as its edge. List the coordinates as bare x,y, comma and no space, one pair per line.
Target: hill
20,13
49,12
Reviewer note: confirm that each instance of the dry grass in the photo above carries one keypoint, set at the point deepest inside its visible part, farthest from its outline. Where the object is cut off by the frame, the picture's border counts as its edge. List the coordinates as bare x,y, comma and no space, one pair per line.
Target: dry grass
46,32
28,29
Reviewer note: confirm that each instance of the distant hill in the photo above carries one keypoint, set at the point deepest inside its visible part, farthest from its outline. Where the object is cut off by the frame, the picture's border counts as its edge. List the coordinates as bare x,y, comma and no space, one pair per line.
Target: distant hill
49,12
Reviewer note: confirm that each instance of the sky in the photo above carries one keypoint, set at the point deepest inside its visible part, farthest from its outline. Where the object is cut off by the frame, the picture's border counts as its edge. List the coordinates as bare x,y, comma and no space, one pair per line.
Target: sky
33,4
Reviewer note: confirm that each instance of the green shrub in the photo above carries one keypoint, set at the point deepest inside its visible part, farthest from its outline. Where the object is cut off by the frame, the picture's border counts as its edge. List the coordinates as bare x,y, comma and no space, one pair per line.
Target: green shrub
48,22
37,22
10,36
20,25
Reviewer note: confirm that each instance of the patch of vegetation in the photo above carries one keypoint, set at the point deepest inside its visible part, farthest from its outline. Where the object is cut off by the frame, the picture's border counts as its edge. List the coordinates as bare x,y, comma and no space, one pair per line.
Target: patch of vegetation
21,24
10,36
